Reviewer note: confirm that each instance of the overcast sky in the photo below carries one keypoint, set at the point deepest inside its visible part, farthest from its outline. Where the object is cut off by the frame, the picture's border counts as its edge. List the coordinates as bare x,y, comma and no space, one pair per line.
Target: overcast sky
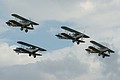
63,60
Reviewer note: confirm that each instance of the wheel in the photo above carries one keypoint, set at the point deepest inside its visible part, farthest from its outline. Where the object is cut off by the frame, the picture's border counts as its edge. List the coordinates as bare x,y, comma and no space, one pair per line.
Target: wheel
26,30
29,54
98,54
34,56
73,41
21,28
78,42
103,56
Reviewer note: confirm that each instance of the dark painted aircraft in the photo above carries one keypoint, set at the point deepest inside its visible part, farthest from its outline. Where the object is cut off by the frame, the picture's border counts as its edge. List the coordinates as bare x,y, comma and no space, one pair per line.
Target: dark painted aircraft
101,50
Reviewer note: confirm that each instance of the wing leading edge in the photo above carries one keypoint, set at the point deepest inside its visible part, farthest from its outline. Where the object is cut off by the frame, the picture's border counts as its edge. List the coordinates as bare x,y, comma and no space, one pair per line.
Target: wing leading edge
24,19
29,45
74,31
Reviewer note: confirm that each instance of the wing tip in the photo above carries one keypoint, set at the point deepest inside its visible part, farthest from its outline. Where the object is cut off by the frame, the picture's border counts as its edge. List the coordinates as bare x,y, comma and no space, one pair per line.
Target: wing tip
91,41
19,41
13,14
63,27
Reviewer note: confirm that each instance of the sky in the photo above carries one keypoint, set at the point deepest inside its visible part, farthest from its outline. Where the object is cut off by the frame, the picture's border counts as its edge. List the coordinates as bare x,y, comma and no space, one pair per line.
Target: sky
63,59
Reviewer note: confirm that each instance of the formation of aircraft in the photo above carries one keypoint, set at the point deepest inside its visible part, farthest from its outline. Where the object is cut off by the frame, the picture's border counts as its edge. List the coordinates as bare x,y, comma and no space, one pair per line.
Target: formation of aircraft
29,49
101,50
23,23
73,35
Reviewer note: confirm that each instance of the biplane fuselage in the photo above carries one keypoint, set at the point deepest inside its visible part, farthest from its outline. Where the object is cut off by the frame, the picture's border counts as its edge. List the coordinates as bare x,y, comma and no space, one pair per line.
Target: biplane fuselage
24,24
62,36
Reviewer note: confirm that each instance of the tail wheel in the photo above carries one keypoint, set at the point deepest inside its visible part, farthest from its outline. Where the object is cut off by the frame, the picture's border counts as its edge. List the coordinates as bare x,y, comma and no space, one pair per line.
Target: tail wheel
26,30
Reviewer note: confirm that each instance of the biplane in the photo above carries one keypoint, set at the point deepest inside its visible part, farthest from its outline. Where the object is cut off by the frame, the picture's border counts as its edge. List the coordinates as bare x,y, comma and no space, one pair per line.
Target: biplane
29,49
23,23
100,49
73,35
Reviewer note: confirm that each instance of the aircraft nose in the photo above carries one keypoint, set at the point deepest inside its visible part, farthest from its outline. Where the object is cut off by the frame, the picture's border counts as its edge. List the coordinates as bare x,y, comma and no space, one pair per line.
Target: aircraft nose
87,49
8,23
56,35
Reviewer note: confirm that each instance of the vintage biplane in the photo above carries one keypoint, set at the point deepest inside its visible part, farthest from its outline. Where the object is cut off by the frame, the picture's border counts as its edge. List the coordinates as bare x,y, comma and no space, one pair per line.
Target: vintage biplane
100,49
29,49
23,23
73,35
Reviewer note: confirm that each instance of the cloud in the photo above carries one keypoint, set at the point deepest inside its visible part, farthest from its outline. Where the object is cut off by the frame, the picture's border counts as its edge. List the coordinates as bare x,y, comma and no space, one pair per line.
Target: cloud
71,63
66,65
50,10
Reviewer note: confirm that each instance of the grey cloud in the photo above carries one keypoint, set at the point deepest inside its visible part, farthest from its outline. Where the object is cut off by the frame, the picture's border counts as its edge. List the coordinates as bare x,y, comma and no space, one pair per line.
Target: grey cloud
67,68
102,1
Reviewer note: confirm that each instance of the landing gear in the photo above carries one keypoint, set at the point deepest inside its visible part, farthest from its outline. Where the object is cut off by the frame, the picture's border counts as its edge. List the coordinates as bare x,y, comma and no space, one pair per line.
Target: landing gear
103,56
26,30
21,29
29,54
34,56
98,54
78,42
73,41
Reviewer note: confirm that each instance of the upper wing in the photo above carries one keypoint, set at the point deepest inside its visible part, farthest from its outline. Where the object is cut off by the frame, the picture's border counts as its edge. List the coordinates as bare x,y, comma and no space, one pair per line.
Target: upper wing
26,44
24,19
41,49
95,43
74,31
107,49
29,45
69,29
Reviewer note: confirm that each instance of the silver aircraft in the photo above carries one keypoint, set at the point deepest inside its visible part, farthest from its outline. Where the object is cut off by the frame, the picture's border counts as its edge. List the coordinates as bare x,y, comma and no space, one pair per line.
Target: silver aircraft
73,35
23,23
29,49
